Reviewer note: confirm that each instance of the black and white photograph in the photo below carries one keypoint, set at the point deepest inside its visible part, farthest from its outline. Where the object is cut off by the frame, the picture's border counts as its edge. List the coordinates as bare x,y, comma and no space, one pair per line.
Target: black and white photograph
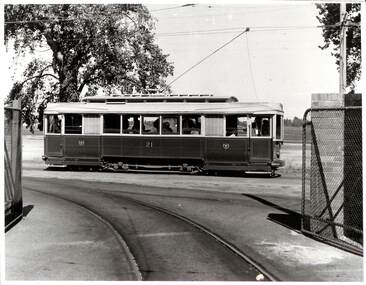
173,141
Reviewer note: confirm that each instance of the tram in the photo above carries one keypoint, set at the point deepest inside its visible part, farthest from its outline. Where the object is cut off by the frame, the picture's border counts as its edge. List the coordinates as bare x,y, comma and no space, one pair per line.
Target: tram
183,133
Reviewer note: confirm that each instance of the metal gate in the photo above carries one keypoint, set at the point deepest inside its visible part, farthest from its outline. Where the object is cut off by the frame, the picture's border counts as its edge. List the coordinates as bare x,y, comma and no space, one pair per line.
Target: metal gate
332,208
12,164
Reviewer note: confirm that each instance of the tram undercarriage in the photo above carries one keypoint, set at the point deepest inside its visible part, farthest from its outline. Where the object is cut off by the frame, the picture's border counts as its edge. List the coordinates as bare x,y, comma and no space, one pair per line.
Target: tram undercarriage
193,166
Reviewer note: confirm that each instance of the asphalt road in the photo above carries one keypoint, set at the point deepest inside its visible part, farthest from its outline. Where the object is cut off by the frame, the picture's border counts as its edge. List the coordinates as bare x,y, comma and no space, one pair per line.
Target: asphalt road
165,248
259,215
264,226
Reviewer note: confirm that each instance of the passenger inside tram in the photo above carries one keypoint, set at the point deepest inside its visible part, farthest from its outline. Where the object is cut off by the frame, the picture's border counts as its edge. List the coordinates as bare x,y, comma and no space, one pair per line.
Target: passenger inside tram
260,127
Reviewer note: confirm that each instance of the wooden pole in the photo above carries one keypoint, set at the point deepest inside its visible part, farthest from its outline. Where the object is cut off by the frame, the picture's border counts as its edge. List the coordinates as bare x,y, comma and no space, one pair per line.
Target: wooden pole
343,52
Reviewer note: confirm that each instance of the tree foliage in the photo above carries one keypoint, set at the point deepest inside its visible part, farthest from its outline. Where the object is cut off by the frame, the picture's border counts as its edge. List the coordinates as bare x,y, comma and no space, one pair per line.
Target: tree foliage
329,15
295,122
93,46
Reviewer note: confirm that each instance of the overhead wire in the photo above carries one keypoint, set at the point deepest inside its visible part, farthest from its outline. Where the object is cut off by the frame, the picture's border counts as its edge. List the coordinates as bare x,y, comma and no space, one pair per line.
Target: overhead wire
173,8
250,67
252,29
205,58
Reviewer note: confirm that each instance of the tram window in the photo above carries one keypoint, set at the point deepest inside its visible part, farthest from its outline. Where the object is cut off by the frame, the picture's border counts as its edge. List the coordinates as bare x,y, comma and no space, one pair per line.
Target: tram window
261,126
91,124
214,125
191,124
131,124
54,124
111,123
278,126
170,125
236,126
151,125
73,123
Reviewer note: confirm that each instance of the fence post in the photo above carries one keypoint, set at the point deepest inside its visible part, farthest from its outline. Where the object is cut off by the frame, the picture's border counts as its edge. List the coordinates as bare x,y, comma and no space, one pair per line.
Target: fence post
353,208
13,159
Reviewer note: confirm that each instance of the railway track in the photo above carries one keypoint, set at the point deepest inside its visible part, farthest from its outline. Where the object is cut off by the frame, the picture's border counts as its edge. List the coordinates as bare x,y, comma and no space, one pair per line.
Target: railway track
163,244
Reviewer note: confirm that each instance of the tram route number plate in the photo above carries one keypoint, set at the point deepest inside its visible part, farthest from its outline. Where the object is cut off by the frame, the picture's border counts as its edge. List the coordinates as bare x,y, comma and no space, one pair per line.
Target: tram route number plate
148,144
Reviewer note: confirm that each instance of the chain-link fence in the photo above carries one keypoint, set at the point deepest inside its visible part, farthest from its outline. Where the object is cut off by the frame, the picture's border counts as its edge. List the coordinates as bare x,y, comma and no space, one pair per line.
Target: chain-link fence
332,208
12,164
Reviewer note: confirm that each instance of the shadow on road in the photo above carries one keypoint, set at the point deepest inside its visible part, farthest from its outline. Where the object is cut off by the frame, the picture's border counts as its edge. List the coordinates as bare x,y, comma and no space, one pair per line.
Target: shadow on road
27,209
13,219
290,219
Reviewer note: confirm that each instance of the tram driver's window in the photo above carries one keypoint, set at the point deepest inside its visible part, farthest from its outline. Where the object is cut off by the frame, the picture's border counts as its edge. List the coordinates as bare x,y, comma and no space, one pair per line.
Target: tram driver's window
131,124
236,126
261,126
170,125
54,124
151,125
278,126
73,123
191,125
112,123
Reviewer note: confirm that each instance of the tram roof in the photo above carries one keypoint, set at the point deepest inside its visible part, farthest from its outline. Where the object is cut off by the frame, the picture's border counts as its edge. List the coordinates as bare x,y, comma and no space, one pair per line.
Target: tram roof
159,98
165,108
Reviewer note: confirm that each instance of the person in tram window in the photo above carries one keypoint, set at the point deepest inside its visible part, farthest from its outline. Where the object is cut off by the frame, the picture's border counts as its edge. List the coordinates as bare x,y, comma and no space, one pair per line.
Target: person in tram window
186,125
193,126
265,128
256,127
136,126
55,126
156,127
166,128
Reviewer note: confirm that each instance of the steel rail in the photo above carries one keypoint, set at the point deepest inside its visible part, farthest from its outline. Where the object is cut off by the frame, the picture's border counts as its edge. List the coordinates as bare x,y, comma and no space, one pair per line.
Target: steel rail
189,221
208,232
132,260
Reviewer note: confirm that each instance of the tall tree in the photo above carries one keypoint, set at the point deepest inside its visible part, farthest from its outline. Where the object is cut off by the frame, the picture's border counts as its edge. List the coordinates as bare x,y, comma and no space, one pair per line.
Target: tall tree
329,16
93,46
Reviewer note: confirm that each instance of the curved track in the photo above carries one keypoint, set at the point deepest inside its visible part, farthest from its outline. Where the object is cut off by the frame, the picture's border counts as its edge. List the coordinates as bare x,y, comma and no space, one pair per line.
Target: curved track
165,245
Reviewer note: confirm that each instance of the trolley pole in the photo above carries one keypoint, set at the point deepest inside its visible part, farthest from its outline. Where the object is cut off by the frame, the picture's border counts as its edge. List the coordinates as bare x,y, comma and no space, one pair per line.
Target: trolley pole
343,52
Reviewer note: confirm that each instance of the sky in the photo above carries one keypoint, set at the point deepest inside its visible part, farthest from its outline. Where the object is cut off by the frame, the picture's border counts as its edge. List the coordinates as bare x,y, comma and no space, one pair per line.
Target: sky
268,63
278,60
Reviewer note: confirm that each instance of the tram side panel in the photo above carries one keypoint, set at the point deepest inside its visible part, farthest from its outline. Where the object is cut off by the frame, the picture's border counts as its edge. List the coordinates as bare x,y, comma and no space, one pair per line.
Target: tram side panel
82,150
226,153
260,154
185,149
54,145
151,149
215,153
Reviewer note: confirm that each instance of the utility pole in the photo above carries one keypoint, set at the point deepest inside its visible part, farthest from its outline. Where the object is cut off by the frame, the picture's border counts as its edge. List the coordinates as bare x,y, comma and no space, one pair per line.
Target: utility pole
343,52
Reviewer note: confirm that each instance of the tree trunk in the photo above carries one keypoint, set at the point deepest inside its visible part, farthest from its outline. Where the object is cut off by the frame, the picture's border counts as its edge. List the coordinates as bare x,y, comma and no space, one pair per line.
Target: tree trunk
68,87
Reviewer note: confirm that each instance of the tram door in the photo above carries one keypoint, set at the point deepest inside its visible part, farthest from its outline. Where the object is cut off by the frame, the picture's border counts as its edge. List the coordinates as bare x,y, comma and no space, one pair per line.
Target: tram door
54,142
260,139
227,140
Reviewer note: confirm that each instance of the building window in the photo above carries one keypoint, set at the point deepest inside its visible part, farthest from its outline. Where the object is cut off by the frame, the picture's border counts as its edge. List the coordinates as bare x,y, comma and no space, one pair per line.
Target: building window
73,124
131,124
112,123
214,125
151,125
191,125
260,126
236,126
54,124
170,125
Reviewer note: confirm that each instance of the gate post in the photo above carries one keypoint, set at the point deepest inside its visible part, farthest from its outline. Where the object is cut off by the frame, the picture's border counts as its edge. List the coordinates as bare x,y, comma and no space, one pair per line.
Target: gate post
13,164
353,208
327,163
